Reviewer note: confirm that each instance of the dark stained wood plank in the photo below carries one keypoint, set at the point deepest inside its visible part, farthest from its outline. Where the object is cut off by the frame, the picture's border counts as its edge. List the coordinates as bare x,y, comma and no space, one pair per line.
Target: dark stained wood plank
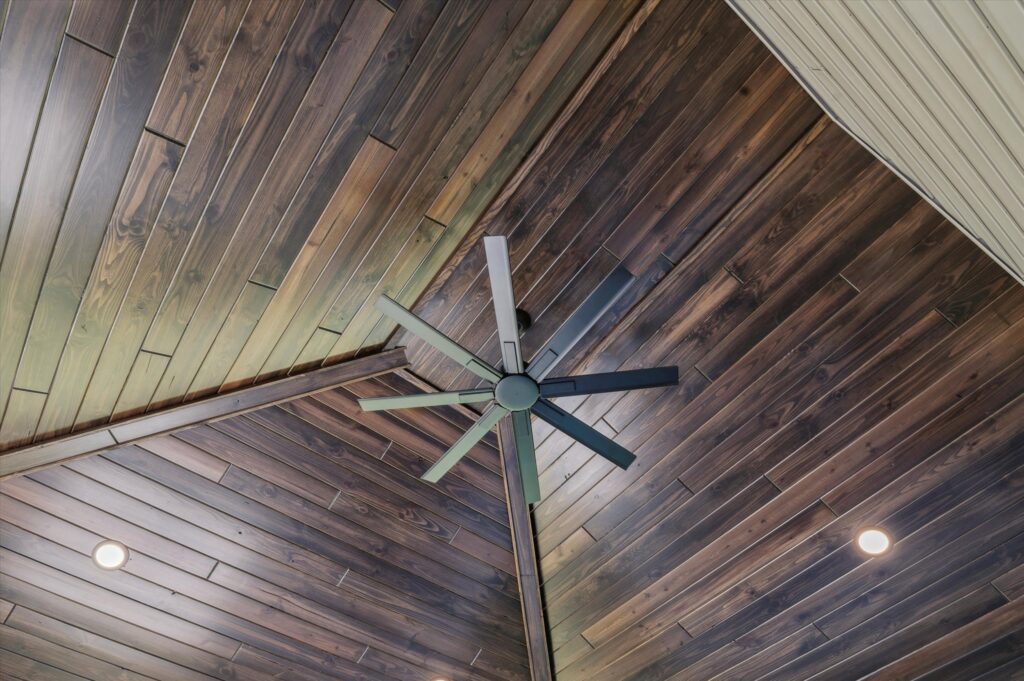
43,498
29,44
468,509
389,60
263,30
43,576
193,68
572,27
255,462
252,303
185,455
82,443
115,141
953,644
441,133
315,256
142,195
17,637
527,564
282,93
421,80
354,324
116,641
26,668
100,23
64,124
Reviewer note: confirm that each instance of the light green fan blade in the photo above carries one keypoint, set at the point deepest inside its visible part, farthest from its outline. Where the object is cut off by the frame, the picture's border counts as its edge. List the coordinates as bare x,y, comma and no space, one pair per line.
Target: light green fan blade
438,340
426,400
458,450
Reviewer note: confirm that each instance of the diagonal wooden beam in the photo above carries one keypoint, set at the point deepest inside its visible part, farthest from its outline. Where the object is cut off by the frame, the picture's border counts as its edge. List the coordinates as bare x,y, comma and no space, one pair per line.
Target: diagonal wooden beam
75,445
527,567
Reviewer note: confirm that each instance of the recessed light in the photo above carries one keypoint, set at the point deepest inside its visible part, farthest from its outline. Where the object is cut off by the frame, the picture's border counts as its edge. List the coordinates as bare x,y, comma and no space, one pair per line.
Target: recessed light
873,541
110,554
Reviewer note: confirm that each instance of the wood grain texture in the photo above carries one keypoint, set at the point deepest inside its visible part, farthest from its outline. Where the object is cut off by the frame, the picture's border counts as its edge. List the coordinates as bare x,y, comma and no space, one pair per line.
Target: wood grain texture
847,357
81,443
100,23
29,44
243,267
844,363
252,554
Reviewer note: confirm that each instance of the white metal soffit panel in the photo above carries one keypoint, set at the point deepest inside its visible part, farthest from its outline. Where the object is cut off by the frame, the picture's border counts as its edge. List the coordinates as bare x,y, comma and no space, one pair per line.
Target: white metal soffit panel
934,88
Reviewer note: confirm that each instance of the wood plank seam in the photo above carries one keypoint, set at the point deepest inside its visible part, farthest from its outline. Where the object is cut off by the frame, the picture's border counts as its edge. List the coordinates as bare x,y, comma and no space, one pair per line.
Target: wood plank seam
90,45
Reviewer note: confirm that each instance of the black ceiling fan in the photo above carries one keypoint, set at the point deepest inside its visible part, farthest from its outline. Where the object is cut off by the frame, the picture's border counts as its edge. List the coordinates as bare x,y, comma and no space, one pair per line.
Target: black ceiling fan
522,388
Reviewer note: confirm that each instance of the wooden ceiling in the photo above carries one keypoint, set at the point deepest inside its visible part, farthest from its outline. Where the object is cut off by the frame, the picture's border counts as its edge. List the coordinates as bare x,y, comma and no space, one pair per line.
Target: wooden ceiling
848,358
291,540
197,196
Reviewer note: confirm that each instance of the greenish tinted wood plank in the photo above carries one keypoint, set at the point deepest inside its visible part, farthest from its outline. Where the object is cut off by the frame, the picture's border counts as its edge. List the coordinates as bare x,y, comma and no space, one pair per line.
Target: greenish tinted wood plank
67,117
261,35
138,387
102,178
237,328
20,420
149,177
29,45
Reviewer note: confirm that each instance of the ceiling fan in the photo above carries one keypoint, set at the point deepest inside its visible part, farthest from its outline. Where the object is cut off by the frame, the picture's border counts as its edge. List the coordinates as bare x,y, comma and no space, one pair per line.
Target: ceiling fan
518,388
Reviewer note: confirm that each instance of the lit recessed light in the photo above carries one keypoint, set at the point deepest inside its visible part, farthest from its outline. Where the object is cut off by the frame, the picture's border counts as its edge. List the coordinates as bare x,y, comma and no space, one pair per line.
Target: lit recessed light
110,554
873,541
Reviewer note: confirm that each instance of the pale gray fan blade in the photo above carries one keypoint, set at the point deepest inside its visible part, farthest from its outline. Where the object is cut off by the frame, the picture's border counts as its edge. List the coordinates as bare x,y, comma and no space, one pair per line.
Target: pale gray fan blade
615,381
438,340
585,316
584,434
426,399
527,455
499,269
458,450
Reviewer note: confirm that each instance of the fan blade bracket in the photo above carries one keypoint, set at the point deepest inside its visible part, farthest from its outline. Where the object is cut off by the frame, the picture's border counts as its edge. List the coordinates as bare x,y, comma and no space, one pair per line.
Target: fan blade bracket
614,381
526,454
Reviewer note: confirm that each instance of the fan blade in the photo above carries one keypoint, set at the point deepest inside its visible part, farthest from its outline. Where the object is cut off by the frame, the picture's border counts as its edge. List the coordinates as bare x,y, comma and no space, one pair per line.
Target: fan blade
614,381
426,400
527,455
458,450
499,269
438,340
585,316
584,434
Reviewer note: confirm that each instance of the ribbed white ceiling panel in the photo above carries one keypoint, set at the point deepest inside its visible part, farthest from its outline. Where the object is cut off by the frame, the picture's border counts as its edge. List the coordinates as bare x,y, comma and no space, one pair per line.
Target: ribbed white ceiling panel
935,88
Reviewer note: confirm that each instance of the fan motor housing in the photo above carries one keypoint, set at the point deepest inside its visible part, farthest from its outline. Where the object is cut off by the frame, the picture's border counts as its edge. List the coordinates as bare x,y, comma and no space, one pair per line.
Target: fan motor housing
517,392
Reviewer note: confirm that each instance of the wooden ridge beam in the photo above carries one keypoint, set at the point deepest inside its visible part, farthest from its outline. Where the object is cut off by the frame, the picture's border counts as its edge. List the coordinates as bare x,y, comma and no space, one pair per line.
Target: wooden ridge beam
524,549
78,444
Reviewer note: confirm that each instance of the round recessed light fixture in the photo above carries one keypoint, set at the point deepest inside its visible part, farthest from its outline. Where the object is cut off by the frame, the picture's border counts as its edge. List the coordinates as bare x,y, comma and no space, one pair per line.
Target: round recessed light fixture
110,554
873,541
